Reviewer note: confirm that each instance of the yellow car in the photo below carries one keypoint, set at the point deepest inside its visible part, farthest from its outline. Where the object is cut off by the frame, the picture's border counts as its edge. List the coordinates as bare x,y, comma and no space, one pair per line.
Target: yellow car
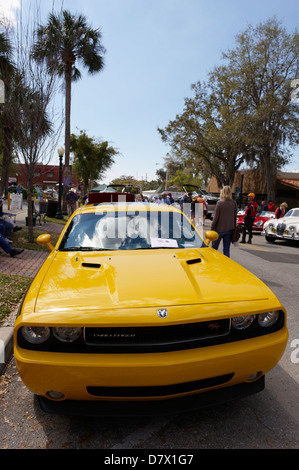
133,311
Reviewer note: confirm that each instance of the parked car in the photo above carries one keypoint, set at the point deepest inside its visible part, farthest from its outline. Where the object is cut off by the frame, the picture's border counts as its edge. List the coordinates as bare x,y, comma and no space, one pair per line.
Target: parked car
286,228
134,312
259,221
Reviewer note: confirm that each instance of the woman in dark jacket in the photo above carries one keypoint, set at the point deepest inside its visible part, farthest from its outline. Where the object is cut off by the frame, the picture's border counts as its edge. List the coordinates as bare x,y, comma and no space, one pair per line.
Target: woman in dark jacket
225,219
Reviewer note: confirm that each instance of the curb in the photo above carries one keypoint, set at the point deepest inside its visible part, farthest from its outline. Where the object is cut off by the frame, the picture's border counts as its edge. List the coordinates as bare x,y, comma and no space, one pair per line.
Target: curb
6,347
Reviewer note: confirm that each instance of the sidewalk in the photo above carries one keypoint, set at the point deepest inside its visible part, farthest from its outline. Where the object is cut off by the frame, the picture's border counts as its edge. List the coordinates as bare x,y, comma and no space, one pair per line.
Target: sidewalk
26,264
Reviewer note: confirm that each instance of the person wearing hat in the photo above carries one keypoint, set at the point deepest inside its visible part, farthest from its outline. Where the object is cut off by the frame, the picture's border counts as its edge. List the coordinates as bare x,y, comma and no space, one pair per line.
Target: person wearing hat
250,214
71,199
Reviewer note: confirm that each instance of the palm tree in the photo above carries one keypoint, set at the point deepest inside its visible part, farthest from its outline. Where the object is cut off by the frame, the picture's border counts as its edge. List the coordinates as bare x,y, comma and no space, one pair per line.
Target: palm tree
65,40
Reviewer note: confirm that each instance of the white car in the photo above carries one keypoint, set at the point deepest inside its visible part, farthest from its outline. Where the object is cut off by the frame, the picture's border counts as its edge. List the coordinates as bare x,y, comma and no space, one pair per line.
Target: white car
286,228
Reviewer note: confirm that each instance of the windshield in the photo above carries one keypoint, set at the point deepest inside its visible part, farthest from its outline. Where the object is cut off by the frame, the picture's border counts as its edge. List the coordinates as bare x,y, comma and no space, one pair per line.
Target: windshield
292,213
130,230
267,214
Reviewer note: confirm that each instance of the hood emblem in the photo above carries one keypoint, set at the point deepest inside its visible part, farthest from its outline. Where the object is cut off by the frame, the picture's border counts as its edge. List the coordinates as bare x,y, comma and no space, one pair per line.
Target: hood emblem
162,312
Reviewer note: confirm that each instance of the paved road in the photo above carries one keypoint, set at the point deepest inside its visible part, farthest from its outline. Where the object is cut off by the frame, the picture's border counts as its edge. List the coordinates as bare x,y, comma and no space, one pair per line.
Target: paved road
267,420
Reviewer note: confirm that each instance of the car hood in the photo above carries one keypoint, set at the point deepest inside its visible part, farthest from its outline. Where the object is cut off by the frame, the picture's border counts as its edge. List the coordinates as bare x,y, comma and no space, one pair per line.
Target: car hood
76,281
288,220
283,220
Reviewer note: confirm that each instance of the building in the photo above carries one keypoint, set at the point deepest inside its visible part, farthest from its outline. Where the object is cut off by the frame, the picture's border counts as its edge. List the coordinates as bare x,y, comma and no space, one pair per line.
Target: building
286,187
45,176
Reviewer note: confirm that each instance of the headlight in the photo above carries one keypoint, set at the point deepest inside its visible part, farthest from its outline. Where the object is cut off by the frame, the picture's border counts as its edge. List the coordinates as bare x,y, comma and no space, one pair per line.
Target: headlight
67,334
259,223
268,319
241,323
36,334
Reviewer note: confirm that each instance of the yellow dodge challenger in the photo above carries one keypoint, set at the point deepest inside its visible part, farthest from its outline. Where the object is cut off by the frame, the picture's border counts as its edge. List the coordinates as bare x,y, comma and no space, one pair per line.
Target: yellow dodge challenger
134,311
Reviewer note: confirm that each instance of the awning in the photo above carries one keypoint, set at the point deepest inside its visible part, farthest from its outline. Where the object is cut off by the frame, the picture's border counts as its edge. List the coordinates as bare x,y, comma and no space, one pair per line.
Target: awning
292,183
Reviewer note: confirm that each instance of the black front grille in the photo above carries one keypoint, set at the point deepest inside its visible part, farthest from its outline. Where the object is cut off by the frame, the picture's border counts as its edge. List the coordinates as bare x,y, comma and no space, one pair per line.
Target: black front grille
156,338
158,391
118,340
280,229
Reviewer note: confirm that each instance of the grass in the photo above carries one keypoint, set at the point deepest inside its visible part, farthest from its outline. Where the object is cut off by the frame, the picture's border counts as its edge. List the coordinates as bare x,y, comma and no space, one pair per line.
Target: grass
58,221
20,239
12,289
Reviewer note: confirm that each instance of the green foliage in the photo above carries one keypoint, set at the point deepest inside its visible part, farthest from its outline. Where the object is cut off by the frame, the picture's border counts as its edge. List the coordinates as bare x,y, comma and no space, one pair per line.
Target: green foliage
92,158
65,39
245,112
182,178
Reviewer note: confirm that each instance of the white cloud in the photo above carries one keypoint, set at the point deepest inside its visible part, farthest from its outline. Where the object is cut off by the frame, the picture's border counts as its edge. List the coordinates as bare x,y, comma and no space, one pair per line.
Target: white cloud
8,10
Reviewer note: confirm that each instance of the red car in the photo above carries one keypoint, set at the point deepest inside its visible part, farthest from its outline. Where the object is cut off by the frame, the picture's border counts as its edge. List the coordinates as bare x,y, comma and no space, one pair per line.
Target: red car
260,219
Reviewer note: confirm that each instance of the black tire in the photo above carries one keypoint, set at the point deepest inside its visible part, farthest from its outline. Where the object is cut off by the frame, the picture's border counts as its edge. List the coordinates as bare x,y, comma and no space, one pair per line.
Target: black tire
270,239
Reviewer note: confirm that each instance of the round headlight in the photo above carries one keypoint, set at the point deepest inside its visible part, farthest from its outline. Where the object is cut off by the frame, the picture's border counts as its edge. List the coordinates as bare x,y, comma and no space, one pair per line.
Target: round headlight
268,319
67,334
35,334
241,323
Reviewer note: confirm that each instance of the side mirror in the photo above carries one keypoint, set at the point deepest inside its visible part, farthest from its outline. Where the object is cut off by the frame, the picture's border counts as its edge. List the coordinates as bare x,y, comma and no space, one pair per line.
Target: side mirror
46,240
211,236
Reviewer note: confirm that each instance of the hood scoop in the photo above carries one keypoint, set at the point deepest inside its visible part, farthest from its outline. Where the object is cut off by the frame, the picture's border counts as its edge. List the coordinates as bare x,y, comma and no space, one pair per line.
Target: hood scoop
194,261
91,265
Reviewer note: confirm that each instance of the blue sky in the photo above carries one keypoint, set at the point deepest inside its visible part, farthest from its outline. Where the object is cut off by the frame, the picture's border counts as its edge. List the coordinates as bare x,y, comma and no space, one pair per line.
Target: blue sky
155,50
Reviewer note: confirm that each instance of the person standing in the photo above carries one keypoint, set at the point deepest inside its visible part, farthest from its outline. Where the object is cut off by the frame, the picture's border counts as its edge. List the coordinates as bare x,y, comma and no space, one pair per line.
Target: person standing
71,199
194,207
280,211
225,219
203,207
271,206
250,214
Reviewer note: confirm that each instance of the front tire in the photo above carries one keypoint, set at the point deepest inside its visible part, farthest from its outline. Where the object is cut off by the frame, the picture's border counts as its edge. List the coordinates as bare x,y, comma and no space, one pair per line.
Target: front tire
270,239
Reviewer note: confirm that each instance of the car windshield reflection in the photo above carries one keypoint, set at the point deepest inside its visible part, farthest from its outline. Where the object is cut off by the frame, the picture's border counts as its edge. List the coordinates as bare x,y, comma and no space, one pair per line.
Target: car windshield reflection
129,230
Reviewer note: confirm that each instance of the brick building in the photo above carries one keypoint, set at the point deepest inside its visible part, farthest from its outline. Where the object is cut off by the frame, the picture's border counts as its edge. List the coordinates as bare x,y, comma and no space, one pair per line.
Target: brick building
45,176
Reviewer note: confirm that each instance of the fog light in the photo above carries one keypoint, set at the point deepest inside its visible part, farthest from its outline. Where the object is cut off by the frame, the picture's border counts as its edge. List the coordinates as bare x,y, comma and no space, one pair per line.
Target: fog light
54,395
254,376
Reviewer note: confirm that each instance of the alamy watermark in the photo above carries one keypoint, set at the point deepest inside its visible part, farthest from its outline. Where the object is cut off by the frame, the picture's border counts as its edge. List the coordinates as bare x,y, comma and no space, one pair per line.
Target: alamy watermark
295,93
295,353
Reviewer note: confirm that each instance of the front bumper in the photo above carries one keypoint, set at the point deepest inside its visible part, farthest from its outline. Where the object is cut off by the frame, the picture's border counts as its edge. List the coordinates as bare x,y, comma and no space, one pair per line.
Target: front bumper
160,376
285,236
152,408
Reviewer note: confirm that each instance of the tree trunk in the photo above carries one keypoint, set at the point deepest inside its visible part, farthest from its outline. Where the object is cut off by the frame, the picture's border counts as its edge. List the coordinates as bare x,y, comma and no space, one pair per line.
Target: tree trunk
30,205
270,173
7,149
68,91
68,88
